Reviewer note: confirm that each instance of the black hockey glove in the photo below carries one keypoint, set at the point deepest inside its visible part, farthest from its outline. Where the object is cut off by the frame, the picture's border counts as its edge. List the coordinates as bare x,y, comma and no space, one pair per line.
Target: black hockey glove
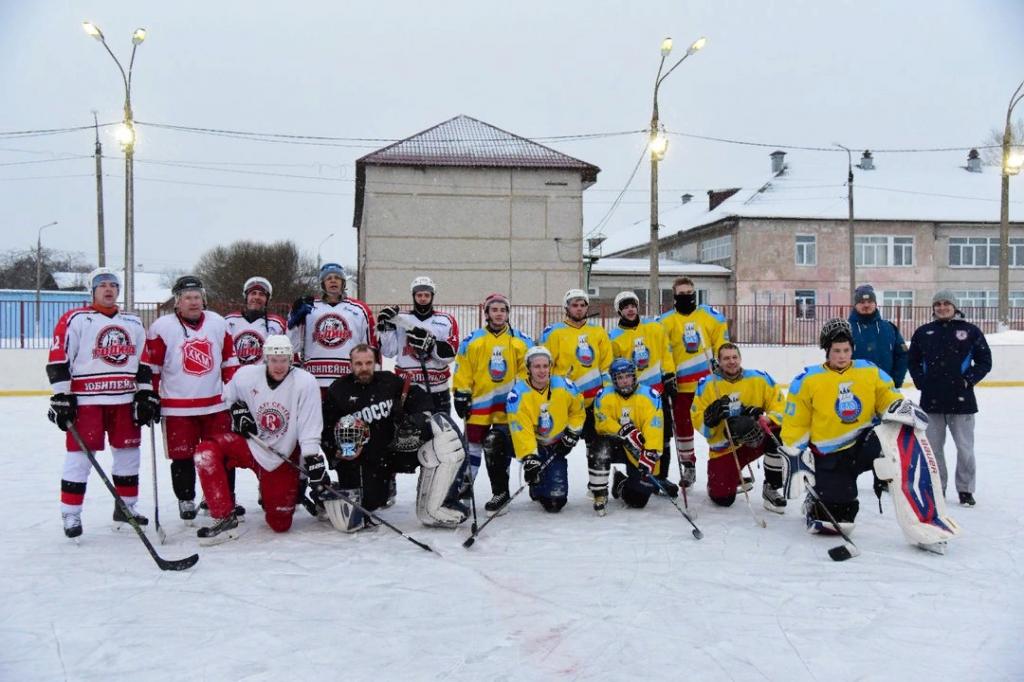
532,468
302,307
63,410
242,421
145,407
752,411
462,401
745,430
420,339
385,319
668,384
716,412
632,439
566,443
646,462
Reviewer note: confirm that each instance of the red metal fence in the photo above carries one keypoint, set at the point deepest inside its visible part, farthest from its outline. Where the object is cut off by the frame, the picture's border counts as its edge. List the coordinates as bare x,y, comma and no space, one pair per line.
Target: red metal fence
748,324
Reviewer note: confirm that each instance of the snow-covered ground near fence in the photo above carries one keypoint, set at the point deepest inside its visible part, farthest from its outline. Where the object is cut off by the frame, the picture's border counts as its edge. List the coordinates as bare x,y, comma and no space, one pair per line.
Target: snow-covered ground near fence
538,597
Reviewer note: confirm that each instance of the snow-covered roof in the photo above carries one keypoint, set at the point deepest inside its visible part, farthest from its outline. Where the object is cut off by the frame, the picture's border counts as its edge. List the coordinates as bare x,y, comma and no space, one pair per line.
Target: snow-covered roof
633,266
149,286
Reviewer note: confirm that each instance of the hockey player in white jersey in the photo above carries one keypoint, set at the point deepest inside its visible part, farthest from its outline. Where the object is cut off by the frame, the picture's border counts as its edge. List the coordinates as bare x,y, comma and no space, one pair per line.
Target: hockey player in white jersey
254,324
102,385
280,404
423,342
324,330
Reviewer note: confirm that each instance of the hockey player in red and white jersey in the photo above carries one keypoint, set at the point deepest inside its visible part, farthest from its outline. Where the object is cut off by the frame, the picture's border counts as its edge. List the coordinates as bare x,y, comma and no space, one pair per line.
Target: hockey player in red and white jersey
192,356
280,404
101,383
254,325
422,340
324,330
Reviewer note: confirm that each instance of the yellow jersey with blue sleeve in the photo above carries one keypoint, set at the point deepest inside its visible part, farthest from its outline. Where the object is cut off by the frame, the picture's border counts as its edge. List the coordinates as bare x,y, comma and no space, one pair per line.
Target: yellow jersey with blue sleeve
752,388
828,409
688,336
581,354
642,409
487,365
539,417
646,345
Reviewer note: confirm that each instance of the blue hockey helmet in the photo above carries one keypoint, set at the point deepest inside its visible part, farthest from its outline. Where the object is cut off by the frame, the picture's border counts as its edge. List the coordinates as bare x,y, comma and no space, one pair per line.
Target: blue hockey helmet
622,367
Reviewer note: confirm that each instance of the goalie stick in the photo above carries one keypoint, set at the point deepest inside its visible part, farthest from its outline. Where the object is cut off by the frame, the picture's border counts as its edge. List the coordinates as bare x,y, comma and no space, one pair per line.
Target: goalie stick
164,564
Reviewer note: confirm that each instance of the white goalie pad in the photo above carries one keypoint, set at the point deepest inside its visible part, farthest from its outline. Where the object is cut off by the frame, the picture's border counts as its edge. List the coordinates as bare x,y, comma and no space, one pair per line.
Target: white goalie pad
440,461
343,515
904,411
909,465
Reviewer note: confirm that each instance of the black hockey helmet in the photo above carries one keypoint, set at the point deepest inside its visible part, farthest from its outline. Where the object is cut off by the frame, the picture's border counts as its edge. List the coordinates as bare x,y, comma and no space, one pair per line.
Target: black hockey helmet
187,283
836,329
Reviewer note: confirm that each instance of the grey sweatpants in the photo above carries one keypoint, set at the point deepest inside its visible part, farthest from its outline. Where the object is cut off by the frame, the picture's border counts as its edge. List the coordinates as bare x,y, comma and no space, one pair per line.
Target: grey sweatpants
962,428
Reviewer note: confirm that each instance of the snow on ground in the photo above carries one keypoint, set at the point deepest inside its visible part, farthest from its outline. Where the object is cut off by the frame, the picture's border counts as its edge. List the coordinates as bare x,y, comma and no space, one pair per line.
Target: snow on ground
538,597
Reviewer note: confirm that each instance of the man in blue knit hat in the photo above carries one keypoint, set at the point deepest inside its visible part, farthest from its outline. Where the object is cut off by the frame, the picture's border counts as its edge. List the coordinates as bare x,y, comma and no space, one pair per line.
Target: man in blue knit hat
876,339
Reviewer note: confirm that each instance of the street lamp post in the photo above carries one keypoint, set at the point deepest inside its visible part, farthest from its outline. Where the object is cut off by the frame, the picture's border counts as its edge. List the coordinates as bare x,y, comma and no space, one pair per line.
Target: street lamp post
1009,166
126,136
658,145
319,246
849,219
39,272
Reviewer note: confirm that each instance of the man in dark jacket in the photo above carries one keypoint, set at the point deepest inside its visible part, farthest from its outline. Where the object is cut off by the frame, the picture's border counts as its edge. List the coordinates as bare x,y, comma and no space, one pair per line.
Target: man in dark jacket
948,356
876,339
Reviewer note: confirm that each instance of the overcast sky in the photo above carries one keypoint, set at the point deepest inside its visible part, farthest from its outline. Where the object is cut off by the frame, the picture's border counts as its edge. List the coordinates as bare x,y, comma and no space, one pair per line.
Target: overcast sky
803,73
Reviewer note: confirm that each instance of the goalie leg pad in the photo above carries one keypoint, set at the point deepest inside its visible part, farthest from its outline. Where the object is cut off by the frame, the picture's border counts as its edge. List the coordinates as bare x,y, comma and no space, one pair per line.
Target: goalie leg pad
342,514
440,461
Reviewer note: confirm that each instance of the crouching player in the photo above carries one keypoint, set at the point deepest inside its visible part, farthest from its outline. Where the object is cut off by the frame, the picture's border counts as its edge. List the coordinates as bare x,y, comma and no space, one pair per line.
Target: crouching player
630,430
545,418
281,405
737,398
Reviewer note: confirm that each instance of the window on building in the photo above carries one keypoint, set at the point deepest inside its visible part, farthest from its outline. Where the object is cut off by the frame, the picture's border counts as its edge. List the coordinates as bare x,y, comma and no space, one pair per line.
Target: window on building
899,297
806,249
716,249
703,295
976,298
983,252
805,303
884,251
1016,299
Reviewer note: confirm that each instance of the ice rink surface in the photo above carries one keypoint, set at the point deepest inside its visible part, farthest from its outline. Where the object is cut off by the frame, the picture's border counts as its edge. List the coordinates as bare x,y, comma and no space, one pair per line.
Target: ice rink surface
538,597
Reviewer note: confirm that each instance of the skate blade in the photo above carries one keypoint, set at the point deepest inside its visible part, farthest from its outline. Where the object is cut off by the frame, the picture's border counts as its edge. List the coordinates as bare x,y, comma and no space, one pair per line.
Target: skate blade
125,527
601,512
773,509
933,547
220,538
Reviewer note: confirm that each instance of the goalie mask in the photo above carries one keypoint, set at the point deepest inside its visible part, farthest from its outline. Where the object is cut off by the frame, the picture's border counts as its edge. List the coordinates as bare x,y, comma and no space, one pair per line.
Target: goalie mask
351,433
836,329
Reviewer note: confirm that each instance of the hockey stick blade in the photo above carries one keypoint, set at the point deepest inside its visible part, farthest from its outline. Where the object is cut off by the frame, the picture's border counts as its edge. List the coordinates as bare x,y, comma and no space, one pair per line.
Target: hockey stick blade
497,512
843,552
697,533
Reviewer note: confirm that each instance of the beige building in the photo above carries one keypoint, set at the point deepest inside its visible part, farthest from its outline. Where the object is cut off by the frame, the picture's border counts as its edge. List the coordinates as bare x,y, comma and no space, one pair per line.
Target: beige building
474,207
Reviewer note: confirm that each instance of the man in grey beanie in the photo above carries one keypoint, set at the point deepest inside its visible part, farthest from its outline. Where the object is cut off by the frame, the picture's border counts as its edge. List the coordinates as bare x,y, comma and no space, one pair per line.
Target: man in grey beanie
948,356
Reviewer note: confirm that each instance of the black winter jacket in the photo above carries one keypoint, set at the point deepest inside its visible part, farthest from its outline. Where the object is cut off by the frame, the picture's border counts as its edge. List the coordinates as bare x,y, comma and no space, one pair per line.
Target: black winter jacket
947,358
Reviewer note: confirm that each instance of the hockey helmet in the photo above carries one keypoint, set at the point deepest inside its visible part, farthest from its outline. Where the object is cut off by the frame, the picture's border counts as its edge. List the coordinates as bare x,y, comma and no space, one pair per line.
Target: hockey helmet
188,283
101,275
257,283
277,344
495,297
536,352
422,284
836,329
332,269
351,433
620,367
624,297
574,294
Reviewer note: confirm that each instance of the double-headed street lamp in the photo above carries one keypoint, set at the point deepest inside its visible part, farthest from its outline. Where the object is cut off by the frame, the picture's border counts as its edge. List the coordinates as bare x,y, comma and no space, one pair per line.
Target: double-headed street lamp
658,144
39,272
1011,165
849,219
126,136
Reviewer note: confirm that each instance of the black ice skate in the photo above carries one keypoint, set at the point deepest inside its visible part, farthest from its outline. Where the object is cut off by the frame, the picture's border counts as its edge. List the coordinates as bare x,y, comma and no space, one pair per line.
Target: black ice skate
72,524
120,520
497,503
774,501
223,530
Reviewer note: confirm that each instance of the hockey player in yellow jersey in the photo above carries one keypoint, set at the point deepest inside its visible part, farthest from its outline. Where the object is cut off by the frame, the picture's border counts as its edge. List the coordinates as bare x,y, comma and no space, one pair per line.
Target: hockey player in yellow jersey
545,418
691,329
629,431
738,397
489,362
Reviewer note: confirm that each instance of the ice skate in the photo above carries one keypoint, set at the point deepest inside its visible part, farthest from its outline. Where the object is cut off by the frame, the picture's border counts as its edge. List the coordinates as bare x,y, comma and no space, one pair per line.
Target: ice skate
223,530
773,499
72,524
121,521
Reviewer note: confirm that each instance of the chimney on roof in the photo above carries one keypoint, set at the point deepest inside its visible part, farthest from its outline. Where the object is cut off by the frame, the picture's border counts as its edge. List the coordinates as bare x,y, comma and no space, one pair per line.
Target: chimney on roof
867,162
778,161
686,198
974,161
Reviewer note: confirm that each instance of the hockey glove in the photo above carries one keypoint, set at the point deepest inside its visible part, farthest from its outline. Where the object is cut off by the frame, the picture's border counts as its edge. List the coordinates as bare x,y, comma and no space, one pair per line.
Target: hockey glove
302,307
63,410
646,462
668,384
463,399
420,340
632,439
566,443
716,412
752,411
242,421
316,471
745,430
385,319
904,411
797,471
145,408
532,469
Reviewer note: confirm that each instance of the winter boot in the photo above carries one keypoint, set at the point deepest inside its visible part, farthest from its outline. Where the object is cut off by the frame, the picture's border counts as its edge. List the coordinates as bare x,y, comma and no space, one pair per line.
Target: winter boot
774,501
223,530
72,523
120,520
967,499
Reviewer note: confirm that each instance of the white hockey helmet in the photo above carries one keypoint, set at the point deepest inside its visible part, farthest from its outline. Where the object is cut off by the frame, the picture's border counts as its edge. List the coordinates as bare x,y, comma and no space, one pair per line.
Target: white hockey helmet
100,275
277,344
422,284
257,283
573,294
536,352
624,297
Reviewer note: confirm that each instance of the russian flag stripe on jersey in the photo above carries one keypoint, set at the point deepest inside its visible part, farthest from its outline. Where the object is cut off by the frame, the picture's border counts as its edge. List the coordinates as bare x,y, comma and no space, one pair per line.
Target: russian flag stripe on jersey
917,482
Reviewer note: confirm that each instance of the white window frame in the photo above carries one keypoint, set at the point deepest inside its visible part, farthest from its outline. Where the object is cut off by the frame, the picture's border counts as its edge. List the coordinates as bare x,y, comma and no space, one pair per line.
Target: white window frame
806,251
806,310
898,297
884,248
989,246
717,249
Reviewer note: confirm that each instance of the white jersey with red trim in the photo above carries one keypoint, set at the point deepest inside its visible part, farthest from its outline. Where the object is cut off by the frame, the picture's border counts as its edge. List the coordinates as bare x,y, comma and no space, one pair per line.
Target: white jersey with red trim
191,363
325,340
445,330
101,358
249,336
287,415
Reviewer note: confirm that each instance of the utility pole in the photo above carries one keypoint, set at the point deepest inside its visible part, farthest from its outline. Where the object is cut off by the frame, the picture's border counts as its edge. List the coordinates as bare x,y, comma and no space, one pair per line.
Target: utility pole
1007,168
849,220
101,247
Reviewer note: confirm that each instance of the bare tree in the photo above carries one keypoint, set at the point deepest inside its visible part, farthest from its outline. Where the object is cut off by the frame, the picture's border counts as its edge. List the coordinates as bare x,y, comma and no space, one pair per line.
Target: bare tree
993,154
18,267
224,270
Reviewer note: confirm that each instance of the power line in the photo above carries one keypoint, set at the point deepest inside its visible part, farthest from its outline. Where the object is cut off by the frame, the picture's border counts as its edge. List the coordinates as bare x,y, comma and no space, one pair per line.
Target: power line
894,150
615,204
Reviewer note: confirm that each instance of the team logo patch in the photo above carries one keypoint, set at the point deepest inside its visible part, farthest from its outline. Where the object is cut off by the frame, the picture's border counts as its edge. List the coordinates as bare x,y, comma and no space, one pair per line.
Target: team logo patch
497,368
113,346
961,334
249,347
331,331
641,356
197,357
272,419
544,422
848,406
691,338
584,351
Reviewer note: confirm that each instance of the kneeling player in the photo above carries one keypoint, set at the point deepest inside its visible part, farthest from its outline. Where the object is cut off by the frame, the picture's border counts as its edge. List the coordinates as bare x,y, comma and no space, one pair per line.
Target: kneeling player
630,430
280,404
736,398
545,418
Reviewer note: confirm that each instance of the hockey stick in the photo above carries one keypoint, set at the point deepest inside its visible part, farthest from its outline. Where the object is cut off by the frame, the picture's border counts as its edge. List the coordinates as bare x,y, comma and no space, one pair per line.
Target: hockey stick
697,532
156,499
731,443
302,470
497,512
164,564
839,552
